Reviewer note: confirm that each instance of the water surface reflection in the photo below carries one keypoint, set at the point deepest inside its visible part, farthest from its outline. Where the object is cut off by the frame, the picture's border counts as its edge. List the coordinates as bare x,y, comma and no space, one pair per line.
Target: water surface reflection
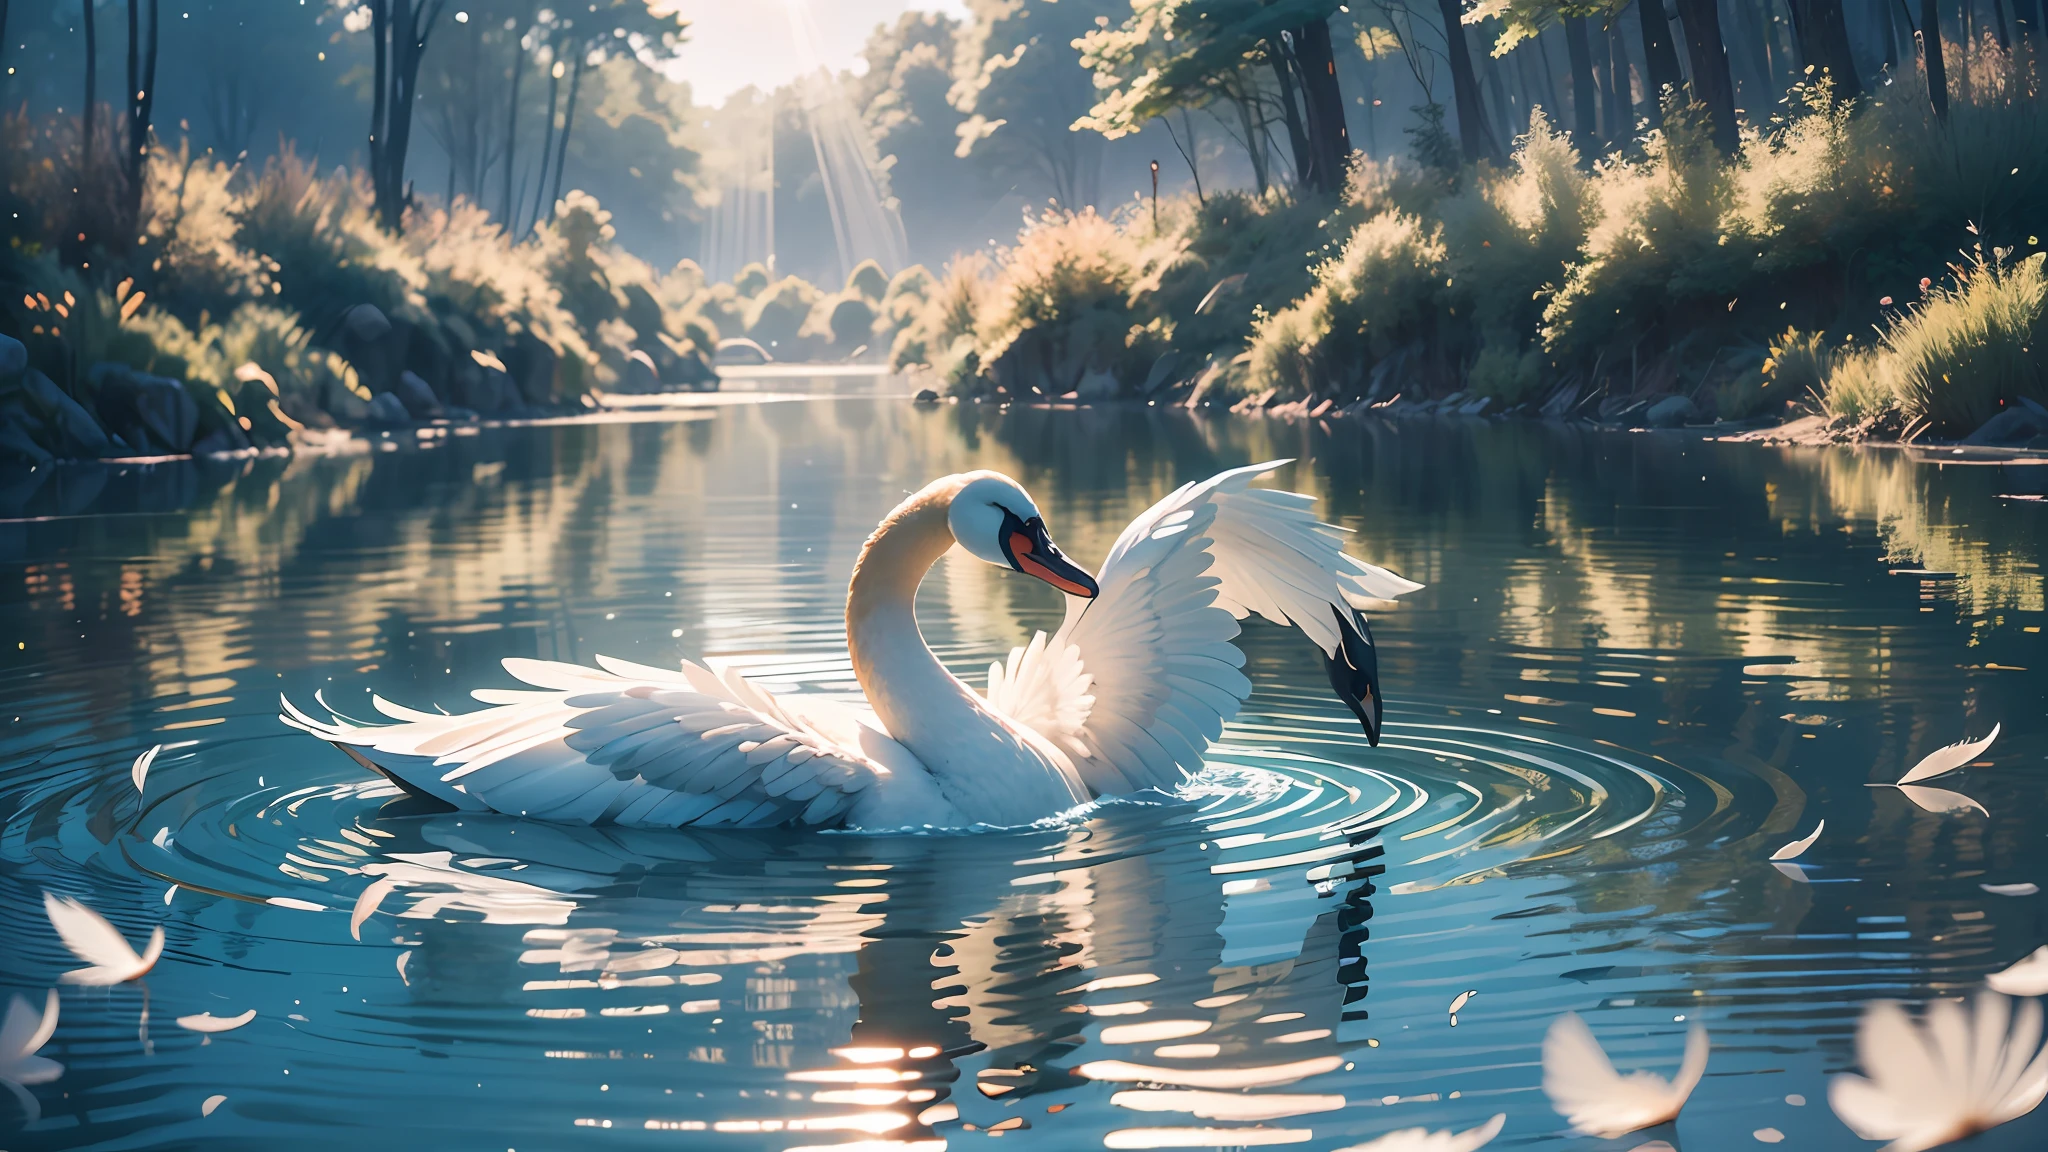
1641,666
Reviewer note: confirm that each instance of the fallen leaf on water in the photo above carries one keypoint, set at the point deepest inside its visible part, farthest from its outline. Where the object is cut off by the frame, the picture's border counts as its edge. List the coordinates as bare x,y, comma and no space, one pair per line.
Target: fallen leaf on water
208,1022
366,904
140,771
212,1102
1793,850
1945,760
2022,889
2028,977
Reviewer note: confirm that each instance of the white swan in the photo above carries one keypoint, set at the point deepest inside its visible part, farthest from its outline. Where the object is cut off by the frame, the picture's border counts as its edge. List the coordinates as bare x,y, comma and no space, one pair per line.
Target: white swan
1127,695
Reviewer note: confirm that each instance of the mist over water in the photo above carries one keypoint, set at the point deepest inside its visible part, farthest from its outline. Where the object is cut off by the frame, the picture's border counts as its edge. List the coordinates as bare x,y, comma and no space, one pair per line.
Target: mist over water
1640,667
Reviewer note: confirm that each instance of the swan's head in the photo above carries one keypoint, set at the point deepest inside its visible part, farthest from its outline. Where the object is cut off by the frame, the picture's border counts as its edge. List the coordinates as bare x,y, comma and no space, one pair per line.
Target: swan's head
994,519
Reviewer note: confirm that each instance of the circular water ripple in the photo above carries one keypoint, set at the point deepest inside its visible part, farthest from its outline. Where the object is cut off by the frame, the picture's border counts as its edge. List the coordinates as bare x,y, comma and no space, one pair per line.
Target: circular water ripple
1154,970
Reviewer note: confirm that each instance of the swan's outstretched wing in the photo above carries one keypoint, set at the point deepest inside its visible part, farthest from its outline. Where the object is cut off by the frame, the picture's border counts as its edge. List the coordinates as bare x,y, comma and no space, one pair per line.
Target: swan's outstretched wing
1141,678
624,744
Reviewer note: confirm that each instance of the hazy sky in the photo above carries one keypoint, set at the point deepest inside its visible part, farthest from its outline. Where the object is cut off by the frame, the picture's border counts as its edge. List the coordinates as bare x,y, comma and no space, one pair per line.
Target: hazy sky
734,43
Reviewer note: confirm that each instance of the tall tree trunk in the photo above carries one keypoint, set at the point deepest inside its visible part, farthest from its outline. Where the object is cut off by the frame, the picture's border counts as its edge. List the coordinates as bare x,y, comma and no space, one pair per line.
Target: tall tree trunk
92,74
1322,100
1254,142
400,29
141,100
1621,115
568,120
1824,43
512,135
1290,112
1712,85
1930,47
1585,125
1660,59
1473,138
547,144
380,74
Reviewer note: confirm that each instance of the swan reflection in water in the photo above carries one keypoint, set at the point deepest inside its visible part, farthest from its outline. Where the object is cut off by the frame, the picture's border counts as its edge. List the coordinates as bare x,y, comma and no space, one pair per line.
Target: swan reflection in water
1202,954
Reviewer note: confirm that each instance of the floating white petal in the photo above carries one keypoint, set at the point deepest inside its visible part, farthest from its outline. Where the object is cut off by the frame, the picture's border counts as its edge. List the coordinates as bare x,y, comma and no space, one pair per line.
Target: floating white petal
109,957
211,1102
1792,872
1423,1140
1798,848
2029,977
208,1022
1944,760
2022,889
1458,1004
140,770
22,1034
1586,1090
1954,1074
403,957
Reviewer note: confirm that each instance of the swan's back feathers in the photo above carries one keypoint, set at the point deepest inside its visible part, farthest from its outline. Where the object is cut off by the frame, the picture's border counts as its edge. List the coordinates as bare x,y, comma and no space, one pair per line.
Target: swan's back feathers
623,743
1138,681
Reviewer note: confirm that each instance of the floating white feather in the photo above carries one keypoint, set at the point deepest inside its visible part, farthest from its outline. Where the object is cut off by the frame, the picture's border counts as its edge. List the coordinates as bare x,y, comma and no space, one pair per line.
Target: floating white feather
1945,760
140,771
1423,1140
2020,889
1798,848
108,956
1598,1101
2028,977
208,1022
1956,1072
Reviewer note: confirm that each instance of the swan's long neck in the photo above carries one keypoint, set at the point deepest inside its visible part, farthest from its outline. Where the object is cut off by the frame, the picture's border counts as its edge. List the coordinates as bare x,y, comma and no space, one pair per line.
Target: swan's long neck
990,771
910,690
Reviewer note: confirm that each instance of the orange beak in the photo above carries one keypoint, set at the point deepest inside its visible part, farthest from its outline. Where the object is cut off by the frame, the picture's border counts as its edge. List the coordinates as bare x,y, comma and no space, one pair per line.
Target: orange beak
1031,552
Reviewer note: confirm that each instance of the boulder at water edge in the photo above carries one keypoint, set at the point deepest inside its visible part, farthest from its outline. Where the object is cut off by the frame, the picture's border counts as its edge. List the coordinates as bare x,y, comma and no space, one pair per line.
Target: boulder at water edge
13,356
153,414
419,399
1671,412
2020,423
71,432
388,409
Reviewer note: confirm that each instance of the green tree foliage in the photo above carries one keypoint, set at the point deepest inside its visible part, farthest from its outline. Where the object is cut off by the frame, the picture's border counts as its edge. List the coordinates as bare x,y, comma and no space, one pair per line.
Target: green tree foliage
1169,55
1019,87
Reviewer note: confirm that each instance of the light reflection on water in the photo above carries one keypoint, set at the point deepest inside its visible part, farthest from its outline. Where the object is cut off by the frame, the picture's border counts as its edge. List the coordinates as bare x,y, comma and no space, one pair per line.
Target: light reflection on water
1640,668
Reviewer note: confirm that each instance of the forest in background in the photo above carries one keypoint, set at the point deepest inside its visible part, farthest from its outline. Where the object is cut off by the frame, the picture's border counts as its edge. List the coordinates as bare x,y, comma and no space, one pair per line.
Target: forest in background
405,210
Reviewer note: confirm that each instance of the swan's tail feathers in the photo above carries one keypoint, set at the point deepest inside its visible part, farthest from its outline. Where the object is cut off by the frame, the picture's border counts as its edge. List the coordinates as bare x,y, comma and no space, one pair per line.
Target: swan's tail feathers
1354,671
415,774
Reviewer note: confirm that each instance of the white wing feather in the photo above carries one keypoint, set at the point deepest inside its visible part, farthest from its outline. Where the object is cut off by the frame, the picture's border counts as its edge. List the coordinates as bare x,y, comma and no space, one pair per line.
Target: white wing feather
1945,760
110,958
1139,680
1798,848
1598,1101
623,743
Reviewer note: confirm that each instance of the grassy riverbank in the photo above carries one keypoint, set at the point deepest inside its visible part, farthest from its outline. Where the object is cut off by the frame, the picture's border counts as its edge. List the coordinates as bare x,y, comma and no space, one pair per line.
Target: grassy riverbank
1865,259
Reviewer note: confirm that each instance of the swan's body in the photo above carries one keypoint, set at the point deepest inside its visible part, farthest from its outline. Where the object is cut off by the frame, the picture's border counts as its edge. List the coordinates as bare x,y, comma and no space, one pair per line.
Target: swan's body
1127,695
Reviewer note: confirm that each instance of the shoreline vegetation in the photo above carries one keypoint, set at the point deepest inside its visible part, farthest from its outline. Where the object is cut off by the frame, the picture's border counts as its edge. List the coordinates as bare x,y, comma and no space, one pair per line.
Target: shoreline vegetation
1870,263
1867,266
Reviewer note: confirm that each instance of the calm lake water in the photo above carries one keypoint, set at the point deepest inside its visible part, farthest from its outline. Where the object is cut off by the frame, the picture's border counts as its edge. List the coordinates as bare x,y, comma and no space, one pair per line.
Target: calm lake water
1642,664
